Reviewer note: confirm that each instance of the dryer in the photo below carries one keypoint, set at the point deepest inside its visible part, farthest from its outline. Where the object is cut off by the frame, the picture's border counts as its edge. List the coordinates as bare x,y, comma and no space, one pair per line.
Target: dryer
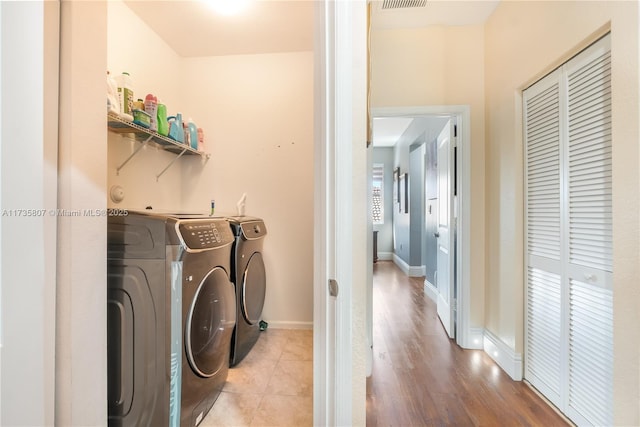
249,277
171,313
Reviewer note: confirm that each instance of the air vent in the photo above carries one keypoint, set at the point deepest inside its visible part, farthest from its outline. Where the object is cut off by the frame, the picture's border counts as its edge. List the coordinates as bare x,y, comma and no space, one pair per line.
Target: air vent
400,4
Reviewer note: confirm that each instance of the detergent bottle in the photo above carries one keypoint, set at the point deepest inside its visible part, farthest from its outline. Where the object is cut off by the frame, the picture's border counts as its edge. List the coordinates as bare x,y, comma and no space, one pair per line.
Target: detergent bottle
162,124
176,131
151,107
193,134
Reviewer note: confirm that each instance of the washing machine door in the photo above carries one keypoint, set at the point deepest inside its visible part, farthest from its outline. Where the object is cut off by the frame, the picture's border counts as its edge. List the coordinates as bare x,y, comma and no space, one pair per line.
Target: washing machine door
209,324
254,284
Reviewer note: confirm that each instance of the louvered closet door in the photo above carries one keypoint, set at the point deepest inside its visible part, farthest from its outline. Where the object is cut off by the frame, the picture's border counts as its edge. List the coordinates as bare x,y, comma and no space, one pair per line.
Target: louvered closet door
569,336
544,264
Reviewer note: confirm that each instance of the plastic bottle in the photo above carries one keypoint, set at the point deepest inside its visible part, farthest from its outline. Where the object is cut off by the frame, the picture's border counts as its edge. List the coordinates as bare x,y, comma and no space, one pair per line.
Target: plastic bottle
193,134
163,125
200,139
113,102
185,132
125,92
176,131
151,107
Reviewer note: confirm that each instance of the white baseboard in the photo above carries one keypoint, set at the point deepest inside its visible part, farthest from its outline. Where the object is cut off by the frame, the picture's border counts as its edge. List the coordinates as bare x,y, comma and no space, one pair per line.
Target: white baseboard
503,355
276,324
411,271
401,264
416,271
475,339
431,291
385,256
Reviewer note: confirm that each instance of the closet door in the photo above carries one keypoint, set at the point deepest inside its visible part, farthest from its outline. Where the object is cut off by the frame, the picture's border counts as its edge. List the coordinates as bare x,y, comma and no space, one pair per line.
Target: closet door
590,243
569,327
544,338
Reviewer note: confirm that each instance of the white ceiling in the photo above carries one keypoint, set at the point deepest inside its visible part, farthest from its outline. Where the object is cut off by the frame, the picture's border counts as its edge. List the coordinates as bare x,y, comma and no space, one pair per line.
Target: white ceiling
387,130
192,28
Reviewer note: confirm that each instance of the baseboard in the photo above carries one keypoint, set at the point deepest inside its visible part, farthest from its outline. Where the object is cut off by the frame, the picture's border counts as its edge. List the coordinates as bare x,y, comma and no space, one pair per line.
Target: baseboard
385,256
416,271
276,324
431,291
503,355
411,271
475,339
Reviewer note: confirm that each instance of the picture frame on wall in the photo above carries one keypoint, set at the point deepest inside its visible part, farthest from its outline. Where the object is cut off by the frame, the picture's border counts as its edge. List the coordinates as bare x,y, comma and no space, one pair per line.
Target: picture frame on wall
406,193
396,185
402,192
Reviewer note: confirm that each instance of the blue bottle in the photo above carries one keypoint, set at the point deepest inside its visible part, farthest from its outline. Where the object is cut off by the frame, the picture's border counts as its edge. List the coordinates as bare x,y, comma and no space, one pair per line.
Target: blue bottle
176,132
193,134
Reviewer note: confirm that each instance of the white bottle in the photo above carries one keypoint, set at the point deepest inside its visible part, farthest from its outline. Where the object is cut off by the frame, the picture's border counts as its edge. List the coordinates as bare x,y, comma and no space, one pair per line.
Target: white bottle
113,102
151,107
125,93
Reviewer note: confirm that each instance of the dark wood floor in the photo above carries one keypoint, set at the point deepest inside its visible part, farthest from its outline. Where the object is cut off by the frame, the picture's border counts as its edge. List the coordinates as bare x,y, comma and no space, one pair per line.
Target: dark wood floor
422,378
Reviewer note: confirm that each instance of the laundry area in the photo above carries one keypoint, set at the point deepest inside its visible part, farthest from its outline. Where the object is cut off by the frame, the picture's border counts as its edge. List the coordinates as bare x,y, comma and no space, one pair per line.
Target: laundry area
210,179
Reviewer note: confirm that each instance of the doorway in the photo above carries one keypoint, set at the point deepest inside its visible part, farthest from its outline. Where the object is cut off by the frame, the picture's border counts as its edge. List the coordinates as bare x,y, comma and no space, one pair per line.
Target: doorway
459,306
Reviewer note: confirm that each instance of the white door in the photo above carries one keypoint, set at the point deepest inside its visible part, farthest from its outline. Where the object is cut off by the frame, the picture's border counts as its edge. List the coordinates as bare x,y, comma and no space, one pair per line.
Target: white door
569,261
444,234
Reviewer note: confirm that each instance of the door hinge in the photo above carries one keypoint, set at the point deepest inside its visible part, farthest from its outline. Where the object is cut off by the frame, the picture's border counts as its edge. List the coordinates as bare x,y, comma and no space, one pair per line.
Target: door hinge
333,288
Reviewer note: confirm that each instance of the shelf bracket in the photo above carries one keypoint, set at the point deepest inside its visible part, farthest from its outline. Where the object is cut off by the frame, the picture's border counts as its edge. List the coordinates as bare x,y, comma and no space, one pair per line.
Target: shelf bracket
133,154
170,164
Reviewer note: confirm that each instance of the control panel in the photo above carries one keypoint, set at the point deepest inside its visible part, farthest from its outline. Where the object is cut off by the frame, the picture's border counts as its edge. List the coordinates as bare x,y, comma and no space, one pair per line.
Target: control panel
253,230
207,234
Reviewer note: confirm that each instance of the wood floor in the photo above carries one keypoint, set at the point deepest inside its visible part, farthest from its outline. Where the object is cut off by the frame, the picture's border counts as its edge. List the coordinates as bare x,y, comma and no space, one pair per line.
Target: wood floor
422,378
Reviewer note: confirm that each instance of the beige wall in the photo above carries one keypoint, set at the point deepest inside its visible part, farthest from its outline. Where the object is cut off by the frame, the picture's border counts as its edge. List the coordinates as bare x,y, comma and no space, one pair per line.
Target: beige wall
154,68
440,66
257,115
81,310
525,40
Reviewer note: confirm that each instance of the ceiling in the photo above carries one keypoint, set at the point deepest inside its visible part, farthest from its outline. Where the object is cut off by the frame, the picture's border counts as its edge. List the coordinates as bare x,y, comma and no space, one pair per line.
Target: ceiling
193,28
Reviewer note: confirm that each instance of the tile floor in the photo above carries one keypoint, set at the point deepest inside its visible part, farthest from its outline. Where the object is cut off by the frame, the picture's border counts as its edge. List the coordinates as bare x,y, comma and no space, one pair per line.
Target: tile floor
271,386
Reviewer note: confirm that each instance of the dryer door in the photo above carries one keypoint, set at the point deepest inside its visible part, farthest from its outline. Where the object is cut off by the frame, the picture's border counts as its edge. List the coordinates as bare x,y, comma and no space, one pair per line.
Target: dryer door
210,322
254,284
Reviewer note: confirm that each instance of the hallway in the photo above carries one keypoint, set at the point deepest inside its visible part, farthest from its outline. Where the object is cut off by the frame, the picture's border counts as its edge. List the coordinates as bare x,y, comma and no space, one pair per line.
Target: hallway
421,378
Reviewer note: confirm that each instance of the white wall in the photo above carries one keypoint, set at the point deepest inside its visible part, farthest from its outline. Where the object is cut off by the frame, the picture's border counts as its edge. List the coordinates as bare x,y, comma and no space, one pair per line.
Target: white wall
384,155
155,69
257,115
81,316
524,41
28,255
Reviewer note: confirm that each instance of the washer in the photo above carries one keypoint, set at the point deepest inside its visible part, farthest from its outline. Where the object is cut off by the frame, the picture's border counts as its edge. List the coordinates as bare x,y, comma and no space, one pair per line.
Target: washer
248,275
171,314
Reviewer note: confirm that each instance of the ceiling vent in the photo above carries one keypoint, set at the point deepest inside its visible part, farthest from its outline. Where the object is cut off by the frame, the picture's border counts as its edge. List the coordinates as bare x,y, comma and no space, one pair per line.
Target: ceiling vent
401,4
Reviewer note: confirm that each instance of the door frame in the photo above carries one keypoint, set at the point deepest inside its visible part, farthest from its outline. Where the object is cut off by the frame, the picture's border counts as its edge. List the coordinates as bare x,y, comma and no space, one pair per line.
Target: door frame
465,336
339,181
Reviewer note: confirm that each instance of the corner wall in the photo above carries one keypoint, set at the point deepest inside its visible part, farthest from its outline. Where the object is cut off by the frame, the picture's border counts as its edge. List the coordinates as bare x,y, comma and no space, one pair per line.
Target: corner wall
81,309
440,66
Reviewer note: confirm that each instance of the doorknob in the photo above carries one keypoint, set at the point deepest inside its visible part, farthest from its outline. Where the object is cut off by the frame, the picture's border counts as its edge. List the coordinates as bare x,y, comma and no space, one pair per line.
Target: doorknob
436,234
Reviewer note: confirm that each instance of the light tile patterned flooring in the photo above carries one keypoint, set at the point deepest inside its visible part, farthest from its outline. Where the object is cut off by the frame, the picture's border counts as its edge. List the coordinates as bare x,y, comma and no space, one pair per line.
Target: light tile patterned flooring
271,386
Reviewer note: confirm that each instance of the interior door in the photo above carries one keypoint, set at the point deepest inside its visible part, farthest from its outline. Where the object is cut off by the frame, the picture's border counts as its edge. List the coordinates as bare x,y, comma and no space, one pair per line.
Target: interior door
444,234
